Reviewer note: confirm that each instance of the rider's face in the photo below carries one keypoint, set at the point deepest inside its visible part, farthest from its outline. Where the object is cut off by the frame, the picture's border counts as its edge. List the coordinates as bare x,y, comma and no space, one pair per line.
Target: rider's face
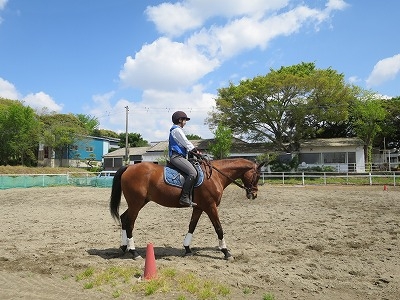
183,122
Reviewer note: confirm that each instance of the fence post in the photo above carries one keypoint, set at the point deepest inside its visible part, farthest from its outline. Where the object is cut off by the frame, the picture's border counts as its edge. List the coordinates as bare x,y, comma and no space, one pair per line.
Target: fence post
302,177
370,178
324,178
394,178
283,178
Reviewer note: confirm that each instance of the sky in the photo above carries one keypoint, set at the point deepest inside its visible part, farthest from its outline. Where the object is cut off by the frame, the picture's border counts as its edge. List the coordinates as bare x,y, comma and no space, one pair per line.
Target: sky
100,57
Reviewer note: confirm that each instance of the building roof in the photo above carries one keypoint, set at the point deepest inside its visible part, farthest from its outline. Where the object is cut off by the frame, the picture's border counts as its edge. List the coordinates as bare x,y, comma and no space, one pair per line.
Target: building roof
334,142
132,151
238,146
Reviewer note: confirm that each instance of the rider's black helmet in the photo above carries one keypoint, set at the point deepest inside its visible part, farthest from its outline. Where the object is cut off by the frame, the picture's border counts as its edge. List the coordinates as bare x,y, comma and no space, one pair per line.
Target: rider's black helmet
179,115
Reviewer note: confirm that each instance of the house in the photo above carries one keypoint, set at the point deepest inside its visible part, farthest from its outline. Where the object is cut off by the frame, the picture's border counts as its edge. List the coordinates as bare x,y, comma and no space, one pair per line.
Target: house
343,154
158,152
386,159
116,159
86,151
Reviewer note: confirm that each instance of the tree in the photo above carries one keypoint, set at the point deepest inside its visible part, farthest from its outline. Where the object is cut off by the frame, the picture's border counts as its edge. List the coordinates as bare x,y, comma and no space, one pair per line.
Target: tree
105,133
134,140
283,106
367,119
19,133
193,137
222,142
89,122
390,134
61,131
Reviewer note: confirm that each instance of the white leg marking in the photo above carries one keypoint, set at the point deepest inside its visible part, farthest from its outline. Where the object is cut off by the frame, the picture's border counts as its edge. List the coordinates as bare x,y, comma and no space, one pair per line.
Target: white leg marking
130,244
222,244
188,239
124,238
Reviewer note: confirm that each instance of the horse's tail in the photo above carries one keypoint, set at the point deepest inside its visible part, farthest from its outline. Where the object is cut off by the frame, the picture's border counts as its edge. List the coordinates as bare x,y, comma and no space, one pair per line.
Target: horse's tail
116,192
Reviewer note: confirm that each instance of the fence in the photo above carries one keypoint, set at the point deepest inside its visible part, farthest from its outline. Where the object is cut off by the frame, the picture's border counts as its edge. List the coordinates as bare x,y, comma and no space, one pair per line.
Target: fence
9,181
325,178
304,178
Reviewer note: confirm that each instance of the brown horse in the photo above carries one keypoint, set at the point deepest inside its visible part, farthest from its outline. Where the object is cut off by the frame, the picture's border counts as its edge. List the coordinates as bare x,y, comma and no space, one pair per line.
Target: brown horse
144,182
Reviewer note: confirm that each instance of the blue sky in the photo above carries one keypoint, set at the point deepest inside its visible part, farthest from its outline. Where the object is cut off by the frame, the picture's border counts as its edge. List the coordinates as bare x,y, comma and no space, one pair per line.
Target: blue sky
96,57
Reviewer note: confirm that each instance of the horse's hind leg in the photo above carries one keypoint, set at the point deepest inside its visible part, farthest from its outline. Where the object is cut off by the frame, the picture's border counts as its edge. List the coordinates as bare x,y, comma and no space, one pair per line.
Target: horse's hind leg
127,241
124,239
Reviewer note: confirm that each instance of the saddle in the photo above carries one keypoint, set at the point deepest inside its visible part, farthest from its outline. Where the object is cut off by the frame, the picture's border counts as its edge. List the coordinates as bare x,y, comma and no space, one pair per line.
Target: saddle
175,177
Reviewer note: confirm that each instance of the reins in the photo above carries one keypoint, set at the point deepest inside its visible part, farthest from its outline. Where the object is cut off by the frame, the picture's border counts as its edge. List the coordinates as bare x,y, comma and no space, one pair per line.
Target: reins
208,163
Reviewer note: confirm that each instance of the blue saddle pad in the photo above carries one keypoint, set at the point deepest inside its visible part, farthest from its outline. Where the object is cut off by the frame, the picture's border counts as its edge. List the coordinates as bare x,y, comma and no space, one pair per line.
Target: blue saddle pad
174,178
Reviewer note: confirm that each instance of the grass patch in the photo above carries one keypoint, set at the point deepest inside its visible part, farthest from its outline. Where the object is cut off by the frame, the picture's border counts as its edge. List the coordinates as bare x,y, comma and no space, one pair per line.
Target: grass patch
268,296
128,280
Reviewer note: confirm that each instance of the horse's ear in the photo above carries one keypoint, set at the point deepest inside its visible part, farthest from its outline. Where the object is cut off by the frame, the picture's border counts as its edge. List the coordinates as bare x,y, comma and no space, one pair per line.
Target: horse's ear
261,164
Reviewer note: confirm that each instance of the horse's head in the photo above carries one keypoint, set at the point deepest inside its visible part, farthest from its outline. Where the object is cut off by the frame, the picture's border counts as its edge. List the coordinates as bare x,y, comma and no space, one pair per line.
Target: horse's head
250,181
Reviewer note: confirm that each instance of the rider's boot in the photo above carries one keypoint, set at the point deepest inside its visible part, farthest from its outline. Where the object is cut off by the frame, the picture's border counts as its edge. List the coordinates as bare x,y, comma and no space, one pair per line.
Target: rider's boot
187,188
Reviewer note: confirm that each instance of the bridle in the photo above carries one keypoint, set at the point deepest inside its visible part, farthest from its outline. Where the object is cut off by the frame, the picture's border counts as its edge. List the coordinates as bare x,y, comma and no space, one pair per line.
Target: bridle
249,190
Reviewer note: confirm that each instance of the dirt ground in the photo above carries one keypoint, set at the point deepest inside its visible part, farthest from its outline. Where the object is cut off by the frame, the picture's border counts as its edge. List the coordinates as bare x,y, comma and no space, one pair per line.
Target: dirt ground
292,242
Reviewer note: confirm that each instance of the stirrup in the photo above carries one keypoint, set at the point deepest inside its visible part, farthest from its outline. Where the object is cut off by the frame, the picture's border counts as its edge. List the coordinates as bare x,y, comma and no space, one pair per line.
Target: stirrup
187,203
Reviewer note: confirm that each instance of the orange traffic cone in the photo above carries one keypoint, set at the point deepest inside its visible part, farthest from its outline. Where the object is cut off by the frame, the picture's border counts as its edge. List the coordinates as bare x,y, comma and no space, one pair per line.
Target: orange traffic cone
385,187
150,269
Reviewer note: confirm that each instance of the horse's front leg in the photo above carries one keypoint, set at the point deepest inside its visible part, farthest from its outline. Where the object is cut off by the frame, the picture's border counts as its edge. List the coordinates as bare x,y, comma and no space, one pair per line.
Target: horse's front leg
192,226
214,218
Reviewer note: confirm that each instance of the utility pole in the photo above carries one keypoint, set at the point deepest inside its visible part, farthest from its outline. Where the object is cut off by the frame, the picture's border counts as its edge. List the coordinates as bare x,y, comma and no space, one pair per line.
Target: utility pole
126,137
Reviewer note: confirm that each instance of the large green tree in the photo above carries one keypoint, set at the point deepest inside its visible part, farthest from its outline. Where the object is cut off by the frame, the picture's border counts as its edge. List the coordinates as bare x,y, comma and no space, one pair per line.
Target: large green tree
61,131
389,137
19,133
134,140
284,106
368,115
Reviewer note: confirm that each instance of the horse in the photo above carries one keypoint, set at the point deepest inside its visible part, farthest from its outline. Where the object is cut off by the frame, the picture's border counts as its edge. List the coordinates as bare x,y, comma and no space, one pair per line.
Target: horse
144,182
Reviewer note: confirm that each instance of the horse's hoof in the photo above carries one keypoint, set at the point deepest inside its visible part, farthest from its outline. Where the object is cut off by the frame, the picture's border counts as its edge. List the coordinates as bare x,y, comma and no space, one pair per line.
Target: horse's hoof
227,255
135,254
123,248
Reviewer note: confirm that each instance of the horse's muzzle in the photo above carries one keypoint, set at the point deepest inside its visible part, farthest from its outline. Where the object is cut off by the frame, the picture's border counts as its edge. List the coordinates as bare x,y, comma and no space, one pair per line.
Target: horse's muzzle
251,195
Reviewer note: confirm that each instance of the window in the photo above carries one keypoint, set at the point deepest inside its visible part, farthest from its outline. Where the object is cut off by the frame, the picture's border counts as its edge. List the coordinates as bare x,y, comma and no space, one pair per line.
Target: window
46,152
73,147
89,149
310,158
334,157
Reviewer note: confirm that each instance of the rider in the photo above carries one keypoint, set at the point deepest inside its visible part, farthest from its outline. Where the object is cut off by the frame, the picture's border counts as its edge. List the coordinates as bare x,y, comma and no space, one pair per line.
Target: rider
178,149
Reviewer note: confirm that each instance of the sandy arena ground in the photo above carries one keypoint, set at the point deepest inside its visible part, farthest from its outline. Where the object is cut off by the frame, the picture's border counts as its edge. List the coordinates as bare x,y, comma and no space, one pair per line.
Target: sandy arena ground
336,242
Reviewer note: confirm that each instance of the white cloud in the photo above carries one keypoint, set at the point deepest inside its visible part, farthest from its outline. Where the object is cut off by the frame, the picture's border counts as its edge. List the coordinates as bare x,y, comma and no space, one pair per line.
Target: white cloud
3,4
151,117
8,90
175,19
169,65
165,65
41,101
199,36
386,69
354,79
336,5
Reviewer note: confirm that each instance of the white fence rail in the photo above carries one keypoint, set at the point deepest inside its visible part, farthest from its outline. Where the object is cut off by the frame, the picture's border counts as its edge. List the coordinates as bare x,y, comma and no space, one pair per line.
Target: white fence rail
325,178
